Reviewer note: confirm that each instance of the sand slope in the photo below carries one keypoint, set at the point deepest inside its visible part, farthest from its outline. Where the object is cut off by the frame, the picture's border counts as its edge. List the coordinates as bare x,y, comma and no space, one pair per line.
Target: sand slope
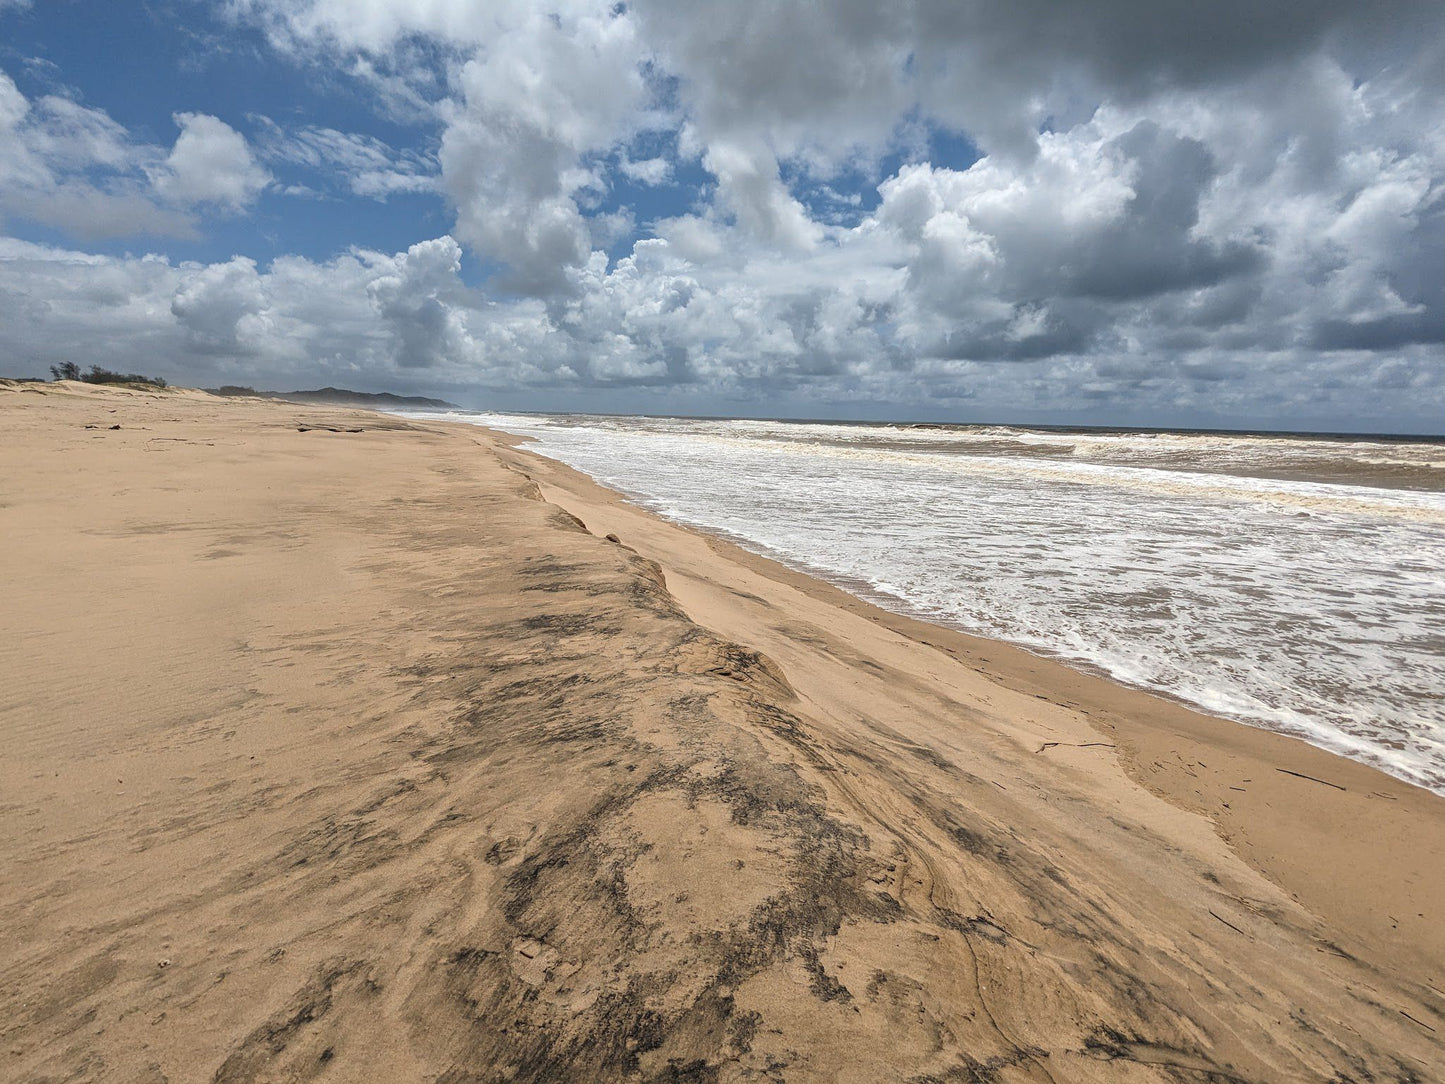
337,747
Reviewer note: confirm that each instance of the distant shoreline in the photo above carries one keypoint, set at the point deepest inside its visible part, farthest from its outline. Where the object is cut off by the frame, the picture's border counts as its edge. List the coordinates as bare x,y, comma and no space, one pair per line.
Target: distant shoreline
1342,436
340,397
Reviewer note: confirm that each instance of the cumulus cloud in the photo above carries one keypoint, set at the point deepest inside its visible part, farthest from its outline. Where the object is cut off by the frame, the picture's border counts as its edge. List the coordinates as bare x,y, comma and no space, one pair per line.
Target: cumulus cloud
365,317
422,305
210,163
222,308
73,167
542,95
647,327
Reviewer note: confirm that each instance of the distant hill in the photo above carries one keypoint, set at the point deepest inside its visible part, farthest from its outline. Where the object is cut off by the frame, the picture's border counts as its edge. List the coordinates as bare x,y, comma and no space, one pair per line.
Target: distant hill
343,397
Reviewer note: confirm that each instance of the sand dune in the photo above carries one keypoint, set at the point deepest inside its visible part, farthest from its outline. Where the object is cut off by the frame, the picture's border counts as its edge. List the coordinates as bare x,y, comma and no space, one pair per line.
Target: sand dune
342,747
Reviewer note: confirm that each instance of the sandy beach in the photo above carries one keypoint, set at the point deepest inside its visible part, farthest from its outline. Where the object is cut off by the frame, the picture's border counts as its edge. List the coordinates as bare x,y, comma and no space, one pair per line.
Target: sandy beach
340,746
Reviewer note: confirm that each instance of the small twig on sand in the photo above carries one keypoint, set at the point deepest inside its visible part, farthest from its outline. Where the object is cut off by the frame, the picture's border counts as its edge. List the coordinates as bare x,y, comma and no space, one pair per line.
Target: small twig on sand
1422,1023
1312,779
1231,925
1075,745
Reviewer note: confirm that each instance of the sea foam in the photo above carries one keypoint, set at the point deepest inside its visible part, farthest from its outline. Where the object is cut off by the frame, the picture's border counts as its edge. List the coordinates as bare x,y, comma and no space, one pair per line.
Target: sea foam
1296,584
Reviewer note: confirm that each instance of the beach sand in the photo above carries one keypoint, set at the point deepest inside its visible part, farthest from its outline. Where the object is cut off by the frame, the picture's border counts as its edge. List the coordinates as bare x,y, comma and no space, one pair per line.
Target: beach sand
339,746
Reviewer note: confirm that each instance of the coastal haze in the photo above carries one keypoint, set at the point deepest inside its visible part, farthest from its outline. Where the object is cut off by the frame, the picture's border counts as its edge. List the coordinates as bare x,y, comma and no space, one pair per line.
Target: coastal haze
1291,582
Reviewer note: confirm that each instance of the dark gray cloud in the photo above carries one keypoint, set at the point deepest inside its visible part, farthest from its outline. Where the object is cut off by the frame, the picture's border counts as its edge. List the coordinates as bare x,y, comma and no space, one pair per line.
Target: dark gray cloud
1150,249
834,74
1137,47
1417,277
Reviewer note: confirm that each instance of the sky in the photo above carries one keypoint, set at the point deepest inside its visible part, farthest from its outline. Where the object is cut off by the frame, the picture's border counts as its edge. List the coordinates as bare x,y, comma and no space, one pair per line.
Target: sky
1131,212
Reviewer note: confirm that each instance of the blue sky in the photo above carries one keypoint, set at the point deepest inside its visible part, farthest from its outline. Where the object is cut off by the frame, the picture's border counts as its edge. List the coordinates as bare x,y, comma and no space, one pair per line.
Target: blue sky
144,62
1129,212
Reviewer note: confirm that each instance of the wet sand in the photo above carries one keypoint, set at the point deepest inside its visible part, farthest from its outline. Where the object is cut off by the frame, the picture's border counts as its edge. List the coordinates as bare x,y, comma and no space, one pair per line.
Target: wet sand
345,747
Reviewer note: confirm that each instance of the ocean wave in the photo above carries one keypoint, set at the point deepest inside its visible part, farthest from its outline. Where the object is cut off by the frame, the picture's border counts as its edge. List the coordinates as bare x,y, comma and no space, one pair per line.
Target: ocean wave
1307,607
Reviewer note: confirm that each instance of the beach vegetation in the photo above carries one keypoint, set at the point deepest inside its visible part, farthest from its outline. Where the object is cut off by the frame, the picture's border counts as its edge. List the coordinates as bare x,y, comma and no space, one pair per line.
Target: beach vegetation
68,370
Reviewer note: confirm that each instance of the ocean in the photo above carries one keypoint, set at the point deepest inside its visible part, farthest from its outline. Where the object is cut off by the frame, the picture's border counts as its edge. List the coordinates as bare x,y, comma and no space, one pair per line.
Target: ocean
1292,582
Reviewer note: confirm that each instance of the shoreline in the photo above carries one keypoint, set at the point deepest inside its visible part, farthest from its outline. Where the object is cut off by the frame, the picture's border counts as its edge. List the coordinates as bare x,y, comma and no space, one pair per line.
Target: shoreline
862,592
1160,738
1340,727
1042,427
344,744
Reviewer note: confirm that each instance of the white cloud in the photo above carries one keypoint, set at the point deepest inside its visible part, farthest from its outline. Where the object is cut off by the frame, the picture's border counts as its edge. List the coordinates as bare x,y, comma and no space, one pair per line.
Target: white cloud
211,163
364,165
375,25
649,171
751,188
73,167
423,306
846,325
364,317
222,308
541,95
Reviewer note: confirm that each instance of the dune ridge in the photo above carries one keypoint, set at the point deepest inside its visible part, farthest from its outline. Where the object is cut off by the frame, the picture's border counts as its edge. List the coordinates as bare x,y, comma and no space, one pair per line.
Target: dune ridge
348,747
